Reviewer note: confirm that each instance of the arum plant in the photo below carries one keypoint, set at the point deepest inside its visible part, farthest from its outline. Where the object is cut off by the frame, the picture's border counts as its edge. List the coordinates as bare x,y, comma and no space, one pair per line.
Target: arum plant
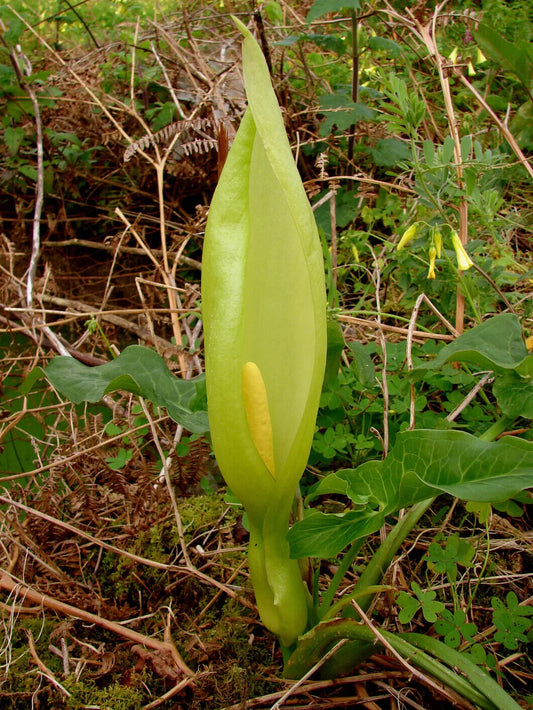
264,312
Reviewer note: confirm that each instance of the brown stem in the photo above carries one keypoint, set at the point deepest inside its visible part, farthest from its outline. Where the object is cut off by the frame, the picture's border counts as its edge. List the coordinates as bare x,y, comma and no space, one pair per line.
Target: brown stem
10,585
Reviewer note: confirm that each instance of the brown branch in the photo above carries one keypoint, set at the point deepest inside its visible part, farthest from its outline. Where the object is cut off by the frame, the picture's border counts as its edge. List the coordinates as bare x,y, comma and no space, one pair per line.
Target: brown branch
18,589
353,320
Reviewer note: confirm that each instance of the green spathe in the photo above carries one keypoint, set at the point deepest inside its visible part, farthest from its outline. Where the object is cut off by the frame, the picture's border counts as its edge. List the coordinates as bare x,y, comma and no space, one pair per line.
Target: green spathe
264,303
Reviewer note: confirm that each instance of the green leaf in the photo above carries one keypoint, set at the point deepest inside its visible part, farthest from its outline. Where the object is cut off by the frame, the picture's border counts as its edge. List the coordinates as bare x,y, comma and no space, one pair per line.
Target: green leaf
420,465
13,137
514,395
429,605
340,111
321,7
120,460
512,621
454,626
408,606
14,32
389,152
444,560
385,44
362,365
522,125
425,600
28,171
429,152
448,150
138,370
513,56
334,351
313,646
496,344
482,510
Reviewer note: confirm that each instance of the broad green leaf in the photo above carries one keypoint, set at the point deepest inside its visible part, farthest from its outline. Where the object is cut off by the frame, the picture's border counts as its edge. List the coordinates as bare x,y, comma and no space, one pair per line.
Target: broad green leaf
513,56
496,344
12,35
385,44
522,125
514,395
450,666
342,112
138,370
28,171
334,352
335,485
362,364
321,7
390,151
421,465
13,137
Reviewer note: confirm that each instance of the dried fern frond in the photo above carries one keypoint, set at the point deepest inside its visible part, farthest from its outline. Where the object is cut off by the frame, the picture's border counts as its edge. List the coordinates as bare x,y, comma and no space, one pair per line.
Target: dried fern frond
197,145
321,163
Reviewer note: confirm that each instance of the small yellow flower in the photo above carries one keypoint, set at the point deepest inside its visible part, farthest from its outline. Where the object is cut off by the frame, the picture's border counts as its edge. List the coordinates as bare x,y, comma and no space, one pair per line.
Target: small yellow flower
464,262
432,256
437,241
408,235
480,57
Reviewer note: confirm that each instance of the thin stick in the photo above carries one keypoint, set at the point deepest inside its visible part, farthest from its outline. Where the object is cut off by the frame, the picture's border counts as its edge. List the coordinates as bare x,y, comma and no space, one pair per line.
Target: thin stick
39,198
166,462
502,127
309,673
333,225
90,244
9,584
429,38
47,673
39,184
488,377
409,352
412,669
383,343
395,329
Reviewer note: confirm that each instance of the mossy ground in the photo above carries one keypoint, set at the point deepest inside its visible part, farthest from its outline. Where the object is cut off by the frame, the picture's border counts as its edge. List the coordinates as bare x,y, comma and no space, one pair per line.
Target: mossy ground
215,634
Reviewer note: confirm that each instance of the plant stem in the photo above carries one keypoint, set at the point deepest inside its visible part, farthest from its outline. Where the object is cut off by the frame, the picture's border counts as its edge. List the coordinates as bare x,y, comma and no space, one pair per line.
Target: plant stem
325,635
355,76
381,560
339,576
483,568
478,678
494,431
376,568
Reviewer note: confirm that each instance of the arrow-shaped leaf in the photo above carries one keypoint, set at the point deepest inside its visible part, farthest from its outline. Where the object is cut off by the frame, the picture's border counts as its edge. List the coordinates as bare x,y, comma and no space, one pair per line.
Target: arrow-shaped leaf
421,465
496,344
138,370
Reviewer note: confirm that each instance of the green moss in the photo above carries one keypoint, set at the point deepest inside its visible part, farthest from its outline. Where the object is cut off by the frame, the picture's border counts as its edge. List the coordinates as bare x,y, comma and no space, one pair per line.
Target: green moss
117,696
235,662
